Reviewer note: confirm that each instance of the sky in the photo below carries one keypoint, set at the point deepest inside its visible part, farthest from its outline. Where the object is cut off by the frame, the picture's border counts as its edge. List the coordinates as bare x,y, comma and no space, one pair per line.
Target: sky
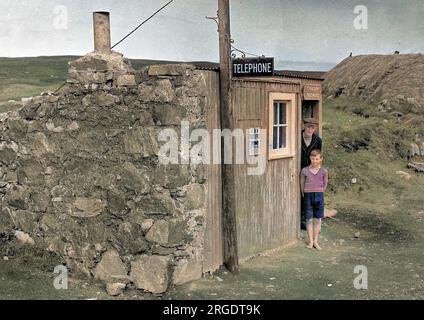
302,32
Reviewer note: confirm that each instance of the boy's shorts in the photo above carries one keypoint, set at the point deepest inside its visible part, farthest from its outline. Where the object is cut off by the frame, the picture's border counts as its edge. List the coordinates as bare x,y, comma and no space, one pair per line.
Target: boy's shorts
314,205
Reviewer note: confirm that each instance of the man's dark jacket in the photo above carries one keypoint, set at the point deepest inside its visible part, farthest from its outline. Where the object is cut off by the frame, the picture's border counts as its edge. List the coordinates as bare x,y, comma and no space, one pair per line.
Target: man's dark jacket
316,143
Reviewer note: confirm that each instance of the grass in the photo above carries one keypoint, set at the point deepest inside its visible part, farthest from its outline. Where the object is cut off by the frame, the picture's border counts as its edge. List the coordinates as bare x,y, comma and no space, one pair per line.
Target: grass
25,77
370,149
384,143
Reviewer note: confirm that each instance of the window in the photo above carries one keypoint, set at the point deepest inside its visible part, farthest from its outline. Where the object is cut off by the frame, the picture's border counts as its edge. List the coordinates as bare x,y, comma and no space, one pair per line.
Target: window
281,125
279,130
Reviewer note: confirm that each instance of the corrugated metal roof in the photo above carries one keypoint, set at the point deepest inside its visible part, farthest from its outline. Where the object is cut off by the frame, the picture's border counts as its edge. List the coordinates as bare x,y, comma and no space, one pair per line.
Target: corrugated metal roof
316,75
201,65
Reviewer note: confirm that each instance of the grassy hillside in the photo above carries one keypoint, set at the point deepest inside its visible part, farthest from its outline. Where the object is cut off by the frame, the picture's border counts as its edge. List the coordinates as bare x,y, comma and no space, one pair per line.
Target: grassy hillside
395,82
375,113
364,156
23,77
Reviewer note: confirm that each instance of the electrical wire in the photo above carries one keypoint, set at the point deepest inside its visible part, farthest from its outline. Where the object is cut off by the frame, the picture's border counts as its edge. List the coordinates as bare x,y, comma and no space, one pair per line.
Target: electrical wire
135,29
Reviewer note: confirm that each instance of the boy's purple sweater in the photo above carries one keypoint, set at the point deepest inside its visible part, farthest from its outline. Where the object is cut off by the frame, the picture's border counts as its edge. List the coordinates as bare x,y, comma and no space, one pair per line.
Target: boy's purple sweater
314,182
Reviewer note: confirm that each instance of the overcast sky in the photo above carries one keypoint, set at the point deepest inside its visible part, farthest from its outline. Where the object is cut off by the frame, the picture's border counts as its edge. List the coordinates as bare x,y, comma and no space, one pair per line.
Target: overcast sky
295,30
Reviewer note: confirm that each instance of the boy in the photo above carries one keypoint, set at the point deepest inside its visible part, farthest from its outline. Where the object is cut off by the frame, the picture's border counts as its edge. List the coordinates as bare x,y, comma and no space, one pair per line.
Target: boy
313,183
310,141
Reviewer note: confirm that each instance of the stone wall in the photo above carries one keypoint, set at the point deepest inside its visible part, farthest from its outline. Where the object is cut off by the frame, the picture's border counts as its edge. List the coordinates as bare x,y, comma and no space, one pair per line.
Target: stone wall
80,176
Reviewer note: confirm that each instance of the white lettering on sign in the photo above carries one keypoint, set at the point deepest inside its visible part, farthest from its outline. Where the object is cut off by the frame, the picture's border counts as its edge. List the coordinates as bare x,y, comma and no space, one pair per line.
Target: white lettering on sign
265,67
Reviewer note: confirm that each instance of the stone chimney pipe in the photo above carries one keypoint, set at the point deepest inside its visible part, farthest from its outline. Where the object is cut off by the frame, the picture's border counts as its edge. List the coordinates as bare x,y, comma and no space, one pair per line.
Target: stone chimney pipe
101,24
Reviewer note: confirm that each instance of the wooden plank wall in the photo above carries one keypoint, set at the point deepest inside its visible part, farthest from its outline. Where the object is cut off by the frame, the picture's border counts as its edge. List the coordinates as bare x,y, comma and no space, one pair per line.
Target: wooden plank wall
319,107
268,207
213,256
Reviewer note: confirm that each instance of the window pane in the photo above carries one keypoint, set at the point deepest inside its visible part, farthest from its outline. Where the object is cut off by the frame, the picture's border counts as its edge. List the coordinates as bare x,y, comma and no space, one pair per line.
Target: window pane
283,113
276,107
283,138
274,138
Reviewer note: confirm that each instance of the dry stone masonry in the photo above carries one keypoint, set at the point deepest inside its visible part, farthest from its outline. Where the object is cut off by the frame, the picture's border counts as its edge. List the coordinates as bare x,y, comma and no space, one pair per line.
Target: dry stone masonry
80,176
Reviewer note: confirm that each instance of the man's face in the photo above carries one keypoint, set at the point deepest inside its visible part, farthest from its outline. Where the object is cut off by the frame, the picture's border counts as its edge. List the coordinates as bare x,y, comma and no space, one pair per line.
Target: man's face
309,130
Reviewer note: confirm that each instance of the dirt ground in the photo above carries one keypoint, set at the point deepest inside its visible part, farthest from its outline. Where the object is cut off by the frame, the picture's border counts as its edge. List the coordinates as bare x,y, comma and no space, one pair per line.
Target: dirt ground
395,268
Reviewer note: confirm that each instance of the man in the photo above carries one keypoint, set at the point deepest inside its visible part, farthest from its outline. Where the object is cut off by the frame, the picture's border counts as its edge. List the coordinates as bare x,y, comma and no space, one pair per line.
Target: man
310,141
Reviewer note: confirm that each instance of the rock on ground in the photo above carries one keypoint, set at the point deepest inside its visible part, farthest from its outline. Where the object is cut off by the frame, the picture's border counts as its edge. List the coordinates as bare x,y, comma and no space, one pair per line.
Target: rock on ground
151,273
23,238
115,289
187,270
110,267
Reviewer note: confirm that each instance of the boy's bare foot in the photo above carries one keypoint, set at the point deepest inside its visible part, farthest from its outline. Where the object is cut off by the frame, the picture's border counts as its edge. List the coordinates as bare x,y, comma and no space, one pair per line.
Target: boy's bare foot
316,246
310,246
329,213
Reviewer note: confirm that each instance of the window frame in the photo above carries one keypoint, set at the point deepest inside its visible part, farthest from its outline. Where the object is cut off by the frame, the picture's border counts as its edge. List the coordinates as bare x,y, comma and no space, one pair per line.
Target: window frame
290,100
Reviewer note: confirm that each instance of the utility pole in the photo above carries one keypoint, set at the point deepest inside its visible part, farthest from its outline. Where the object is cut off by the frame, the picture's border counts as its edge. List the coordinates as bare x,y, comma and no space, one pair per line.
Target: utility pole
227,122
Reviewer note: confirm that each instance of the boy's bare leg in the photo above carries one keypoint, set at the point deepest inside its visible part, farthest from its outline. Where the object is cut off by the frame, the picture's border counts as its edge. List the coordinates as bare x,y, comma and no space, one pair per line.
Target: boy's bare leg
317,229
309,227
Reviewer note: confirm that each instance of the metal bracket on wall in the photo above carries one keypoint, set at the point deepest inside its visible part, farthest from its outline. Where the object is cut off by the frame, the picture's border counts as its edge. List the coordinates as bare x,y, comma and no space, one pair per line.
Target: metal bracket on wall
216,19
235,51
